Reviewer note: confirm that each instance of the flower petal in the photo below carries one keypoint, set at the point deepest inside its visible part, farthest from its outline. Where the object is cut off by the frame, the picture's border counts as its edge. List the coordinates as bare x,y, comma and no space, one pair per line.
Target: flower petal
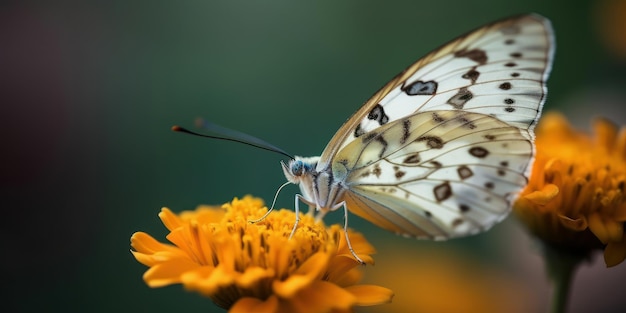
169,272
208,280
597,227
357,240
315,265
204,214
252,275
544,196
341,272
322,296
620,214
615,253
247,305
310,270
578,224
606,133
615,230
169,219
370,294
145,243
157,258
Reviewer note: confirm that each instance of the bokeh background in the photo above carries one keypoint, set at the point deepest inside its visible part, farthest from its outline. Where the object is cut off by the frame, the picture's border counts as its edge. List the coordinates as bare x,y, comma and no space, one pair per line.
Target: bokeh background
90,89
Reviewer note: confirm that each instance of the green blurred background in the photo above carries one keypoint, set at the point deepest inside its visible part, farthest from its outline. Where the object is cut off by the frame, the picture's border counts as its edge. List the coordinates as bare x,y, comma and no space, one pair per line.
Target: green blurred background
90,90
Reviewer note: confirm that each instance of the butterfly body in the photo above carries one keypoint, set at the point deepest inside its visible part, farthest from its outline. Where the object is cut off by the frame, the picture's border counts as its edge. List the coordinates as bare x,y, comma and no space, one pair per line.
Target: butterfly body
443,148
322,189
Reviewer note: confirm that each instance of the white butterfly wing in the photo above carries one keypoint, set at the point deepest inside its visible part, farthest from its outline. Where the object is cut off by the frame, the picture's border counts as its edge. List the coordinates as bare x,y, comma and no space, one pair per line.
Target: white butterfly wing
441,149
435,174
499,69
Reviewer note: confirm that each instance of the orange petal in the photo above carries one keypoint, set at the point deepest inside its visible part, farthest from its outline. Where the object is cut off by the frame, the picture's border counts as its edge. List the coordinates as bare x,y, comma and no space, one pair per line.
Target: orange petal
606,133
291,286
615,230
252,276
152,259
309,271
180,237
606,230
226,250
578,224
615,253
145,243
314,266
158,257
221,276
204,214
169,219
168,272
544,196
207,280
553,122
597,227
280,256
358,241
343,272
370,294
366,258
620,213
144,259
246,305
323,296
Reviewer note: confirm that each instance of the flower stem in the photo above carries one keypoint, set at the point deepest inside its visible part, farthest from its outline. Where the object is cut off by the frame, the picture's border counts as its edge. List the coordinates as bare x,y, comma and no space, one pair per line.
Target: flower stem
561,266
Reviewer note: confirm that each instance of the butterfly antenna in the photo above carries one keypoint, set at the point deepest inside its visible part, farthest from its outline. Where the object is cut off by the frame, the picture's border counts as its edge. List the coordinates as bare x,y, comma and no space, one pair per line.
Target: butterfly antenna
272,207
223,133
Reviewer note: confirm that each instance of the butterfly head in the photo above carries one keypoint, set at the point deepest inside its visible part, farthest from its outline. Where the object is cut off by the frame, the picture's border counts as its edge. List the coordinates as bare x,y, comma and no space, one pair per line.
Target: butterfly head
299,167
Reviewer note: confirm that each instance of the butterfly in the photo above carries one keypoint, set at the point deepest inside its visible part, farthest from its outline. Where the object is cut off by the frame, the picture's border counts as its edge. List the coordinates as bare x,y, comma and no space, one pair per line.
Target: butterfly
442,149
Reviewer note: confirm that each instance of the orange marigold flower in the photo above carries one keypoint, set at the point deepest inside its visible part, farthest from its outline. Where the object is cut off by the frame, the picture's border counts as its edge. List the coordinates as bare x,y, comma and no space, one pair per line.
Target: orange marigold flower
575,196
248,267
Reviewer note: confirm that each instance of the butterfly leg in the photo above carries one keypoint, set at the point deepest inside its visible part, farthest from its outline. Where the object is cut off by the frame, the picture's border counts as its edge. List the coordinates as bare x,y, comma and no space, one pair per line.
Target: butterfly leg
345,230
297,210
262,217
272,207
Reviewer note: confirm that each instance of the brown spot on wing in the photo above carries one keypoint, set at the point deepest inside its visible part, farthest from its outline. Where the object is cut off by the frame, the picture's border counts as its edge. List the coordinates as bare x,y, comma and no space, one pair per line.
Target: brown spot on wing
436,164
479,152
432,142
505,86
442,191
464,208
377,171
412,159
464,172
457,222
406,131
476,55
437,118
472,75
399,174
460,98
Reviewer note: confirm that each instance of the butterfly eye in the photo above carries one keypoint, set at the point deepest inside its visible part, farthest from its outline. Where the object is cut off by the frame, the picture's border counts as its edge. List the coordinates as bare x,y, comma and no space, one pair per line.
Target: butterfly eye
297,168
